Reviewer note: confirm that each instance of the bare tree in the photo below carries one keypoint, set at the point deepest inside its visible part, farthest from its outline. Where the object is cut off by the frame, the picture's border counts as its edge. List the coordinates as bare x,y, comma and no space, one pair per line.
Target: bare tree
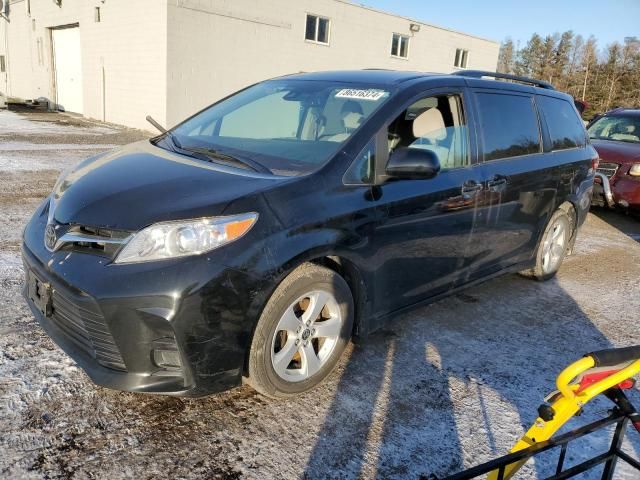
613,71
577,50
589,58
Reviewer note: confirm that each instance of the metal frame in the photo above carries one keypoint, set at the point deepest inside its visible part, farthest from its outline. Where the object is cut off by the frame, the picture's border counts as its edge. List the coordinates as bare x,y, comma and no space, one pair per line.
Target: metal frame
606,187
505,76
609,458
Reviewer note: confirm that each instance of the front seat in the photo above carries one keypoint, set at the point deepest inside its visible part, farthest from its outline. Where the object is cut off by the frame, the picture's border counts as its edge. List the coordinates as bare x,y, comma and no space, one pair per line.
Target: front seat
350,122
430,126
629,133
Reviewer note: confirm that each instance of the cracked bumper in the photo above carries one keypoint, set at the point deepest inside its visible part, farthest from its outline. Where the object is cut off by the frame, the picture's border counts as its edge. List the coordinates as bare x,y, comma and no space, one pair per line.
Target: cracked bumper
111,319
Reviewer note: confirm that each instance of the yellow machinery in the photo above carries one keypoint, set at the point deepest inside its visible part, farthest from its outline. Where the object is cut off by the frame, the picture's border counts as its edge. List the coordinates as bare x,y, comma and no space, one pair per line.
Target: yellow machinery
607,372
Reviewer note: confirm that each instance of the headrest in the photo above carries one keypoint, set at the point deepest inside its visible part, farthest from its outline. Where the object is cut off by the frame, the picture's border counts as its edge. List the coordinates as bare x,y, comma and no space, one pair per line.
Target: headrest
430,124
352,120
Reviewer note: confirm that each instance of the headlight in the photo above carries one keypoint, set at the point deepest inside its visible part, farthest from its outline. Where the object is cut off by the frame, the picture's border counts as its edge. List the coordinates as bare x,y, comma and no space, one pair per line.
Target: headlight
635,170
183,238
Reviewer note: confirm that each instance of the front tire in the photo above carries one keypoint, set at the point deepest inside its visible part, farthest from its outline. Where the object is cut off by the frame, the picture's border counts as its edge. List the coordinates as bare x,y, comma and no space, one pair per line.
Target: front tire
302,332
553,247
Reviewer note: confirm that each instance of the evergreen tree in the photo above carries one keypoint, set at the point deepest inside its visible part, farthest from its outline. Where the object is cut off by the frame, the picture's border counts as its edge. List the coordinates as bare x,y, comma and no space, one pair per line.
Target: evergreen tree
547,58
528,62
605,80
506,58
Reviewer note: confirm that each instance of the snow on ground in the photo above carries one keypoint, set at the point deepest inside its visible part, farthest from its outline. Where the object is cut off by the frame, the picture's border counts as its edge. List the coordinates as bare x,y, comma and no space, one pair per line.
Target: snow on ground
26,147
48,141
443,388
14,123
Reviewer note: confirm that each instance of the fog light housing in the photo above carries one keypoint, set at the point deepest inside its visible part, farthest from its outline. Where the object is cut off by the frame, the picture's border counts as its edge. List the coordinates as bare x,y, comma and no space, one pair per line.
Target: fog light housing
167,359
165,354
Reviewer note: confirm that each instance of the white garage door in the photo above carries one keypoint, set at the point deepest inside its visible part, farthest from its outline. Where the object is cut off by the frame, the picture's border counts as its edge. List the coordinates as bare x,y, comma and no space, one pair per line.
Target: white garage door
68,68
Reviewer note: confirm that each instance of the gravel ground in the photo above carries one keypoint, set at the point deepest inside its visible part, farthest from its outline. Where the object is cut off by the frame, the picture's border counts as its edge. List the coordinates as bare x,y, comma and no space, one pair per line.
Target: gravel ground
448,386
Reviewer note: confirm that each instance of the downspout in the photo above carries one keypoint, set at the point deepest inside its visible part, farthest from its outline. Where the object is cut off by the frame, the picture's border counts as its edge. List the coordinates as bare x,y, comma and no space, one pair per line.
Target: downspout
104,90
6,56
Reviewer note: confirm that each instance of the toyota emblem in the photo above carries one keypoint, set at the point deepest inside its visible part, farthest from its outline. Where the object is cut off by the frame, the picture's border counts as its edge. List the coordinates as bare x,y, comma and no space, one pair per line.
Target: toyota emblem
50,237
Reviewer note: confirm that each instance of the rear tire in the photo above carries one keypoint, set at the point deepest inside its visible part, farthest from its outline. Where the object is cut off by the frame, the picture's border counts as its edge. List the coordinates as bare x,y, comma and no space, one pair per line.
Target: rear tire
302,332
554,246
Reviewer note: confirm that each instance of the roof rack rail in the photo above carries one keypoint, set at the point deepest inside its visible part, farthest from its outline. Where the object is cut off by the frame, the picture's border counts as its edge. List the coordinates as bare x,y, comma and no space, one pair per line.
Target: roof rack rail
506,76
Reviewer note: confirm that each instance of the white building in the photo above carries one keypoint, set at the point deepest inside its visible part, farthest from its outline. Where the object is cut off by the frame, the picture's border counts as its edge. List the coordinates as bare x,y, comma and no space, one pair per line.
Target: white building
119,60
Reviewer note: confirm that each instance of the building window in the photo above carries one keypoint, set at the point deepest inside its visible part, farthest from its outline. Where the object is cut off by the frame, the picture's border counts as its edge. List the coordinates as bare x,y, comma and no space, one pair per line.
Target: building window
3,67
399,46
461,58
317,29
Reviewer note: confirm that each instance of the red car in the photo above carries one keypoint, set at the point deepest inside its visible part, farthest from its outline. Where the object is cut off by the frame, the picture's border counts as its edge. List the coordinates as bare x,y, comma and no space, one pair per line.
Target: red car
616,137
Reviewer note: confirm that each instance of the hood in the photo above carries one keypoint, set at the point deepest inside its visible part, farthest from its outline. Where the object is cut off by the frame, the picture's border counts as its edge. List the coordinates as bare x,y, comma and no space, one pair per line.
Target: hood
140,184
617,152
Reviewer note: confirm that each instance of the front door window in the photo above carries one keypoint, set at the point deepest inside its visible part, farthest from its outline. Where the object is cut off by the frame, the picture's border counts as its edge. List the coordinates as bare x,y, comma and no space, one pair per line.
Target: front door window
437,124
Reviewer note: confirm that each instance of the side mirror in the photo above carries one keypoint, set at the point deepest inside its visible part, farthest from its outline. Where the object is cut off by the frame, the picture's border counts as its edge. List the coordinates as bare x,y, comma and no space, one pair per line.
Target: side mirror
413,163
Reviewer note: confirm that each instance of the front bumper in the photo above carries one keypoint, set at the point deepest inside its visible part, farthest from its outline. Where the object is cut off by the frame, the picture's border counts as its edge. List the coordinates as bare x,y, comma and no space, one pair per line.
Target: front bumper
111,318
616,192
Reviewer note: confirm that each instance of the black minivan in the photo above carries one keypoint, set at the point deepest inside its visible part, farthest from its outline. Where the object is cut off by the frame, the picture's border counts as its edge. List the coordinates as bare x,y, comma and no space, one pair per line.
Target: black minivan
253,240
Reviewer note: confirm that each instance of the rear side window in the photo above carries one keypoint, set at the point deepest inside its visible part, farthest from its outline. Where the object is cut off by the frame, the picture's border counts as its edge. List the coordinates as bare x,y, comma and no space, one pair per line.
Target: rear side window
565,127
508,125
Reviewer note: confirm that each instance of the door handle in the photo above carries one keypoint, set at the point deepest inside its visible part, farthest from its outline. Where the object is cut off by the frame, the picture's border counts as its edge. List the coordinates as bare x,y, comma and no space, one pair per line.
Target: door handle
497,183
471,186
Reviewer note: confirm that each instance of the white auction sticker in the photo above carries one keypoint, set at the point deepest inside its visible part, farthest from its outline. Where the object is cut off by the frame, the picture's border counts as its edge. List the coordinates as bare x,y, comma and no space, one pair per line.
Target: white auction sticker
372,95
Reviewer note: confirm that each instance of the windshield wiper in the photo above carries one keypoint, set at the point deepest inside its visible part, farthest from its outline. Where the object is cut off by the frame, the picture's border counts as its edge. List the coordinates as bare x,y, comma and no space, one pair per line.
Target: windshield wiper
210,154
224,158
174,141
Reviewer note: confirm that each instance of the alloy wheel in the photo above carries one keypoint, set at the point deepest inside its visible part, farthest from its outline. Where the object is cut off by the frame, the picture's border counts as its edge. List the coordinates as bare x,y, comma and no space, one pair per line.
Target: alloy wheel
306,336
555,245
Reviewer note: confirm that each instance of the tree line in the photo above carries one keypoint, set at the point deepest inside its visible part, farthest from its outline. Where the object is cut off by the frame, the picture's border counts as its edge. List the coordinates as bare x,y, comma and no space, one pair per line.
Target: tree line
605,78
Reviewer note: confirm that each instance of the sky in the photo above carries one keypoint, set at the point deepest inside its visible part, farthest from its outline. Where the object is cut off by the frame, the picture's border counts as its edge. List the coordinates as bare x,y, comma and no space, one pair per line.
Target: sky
608,20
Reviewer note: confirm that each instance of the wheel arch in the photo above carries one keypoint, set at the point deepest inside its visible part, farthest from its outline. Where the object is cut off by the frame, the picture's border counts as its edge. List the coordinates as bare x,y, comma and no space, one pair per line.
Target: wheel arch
354,278
346,268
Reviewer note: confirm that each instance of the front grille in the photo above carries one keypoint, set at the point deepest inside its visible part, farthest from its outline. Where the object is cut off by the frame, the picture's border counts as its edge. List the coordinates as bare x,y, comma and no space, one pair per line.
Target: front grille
608,169
83,324
100,241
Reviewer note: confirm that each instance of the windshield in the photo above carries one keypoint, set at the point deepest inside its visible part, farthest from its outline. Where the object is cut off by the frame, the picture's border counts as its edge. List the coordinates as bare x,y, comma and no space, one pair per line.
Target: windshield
621,128
291,127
